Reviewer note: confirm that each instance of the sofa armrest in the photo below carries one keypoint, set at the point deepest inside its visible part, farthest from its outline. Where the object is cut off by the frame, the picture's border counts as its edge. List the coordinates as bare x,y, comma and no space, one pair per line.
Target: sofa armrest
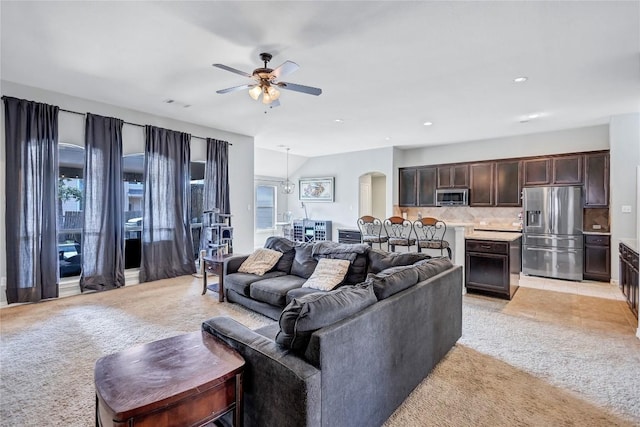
234,263
280,388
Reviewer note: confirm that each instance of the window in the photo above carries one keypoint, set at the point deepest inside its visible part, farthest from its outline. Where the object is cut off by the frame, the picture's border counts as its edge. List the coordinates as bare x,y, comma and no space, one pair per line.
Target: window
265,207
133,187
70,206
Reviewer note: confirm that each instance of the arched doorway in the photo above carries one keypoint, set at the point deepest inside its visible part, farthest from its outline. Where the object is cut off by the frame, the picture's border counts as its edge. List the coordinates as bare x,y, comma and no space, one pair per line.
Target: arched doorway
372,195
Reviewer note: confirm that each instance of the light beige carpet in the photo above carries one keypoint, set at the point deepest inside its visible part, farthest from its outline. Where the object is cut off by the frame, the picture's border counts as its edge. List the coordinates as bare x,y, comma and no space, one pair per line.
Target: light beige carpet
507,370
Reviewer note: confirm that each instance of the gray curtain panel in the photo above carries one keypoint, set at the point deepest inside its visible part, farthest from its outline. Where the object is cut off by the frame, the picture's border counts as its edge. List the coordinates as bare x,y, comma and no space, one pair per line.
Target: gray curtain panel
167,248
31,143
102,233
216,176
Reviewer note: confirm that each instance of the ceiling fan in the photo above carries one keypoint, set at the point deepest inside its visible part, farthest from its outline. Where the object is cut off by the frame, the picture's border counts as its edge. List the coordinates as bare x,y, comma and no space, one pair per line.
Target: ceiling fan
267,81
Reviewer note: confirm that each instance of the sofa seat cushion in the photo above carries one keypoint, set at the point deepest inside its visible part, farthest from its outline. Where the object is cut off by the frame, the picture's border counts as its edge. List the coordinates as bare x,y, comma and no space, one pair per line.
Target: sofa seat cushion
381,260
274,290
428,268
260,261
300,292
307,314
241,282
392,280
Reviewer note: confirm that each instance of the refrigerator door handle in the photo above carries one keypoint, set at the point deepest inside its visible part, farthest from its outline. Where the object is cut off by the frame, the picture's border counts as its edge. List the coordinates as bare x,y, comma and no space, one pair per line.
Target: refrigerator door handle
564,251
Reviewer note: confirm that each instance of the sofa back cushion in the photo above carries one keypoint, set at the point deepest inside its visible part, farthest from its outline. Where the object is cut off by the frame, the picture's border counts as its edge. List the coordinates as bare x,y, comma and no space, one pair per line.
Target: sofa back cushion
356,254
392,280
381,260
303,262
287,247
428,268
311,312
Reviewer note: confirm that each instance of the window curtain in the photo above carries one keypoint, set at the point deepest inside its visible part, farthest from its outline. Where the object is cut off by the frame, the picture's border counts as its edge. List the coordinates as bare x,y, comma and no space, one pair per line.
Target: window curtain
216,176
31,144
167,246
103,242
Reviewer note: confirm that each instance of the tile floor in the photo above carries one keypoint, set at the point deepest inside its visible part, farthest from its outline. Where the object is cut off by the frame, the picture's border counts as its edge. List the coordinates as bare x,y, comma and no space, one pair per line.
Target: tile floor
592,305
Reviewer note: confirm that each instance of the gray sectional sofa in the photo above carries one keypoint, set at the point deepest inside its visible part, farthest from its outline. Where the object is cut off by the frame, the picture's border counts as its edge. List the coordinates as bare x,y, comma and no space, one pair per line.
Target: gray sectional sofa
345,357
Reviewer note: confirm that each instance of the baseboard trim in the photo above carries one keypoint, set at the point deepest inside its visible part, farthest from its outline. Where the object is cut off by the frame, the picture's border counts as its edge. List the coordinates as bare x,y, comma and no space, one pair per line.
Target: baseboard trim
71,287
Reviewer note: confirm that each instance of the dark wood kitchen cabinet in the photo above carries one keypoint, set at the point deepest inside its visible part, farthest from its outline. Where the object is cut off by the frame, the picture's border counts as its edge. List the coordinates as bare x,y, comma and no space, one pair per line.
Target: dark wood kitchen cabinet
493,266
597,257
596,180
407,194
481,190
426,186
453,176
629,276
508,184
536,172
567,170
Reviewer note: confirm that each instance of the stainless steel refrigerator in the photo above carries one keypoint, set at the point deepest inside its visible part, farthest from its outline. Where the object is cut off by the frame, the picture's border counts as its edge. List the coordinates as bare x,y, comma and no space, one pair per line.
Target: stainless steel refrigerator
552,232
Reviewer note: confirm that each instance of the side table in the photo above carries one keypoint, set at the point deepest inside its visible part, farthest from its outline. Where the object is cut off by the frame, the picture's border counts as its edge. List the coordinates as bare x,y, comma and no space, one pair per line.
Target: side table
186,380
216,264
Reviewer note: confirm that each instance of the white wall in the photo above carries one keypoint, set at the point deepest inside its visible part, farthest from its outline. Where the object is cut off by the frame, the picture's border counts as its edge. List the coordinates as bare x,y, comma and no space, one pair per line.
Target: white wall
347,169
624,159
241,153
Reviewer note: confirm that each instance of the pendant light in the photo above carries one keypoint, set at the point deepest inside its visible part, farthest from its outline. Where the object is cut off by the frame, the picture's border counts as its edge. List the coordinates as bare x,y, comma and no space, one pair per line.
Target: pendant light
287,186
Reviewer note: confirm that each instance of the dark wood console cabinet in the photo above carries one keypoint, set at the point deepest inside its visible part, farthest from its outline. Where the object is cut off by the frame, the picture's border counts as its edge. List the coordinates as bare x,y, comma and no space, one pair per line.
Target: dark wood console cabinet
629,276
493,266
349,236
597,257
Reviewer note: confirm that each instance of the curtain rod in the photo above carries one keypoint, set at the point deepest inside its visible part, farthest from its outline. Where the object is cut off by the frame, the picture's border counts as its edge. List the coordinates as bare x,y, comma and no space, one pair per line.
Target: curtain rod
129,123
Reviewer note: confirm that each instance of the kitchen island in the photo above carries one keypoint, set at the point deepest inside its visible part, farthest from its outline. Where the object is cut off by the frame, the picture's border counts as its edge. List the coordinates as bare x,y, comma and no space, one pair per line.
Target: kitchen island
493,262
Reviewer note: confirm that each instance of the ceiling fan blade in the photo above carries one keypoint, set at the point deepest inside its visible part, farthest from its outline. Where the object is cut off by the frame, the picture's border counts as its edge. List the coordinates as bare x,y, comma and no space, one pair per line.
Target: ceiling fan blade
300,88
285,69
274,104
234,89
233,70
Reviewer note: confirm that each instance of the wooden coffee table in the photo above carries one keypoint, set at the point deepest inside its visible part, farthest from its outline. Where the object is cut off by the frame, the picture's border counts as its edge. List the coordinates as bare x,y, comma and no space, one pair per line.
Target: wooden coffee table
187,380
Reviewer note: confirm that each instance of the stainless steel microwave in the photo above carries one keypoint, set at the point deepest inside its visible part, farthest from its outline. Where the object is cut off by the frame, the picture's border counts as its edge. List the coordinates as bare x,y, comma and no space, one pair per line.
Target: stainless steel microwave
452,197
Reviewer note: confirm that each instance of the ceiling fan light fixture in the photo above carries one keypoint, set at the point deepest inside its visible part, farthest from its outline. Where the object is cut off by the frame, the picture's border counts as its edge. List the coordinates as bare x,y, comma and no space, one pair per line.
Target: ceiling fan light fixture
255,92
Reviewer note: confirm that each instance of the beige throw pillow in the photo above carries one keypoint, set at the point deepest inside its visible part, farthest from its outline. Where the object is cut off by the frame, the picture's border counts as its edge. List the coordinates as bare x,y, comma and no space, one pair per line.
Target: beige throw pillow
261,261
328,274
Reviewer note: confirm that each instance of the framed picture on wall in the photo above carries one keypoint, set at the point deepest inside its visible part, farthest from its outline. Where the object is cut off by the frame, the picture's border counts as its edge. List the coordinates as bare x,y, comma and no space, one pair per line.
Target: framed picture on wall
316,189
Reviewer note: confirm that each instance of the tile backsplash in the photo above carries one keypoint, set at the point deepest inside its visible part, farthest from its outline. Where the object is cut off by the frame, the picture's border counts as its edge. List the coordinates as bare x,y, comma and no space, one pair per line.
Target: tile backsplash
598,217
464,214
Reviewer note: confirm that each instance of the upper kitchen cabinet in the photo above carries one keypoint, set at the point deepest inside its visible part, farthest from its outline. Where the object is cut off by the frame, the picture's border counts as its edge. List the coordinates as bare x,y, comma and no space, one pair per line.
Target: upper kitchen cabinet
596,180
453,176
567,170
427,186
508,184
537,172
481,190
407,194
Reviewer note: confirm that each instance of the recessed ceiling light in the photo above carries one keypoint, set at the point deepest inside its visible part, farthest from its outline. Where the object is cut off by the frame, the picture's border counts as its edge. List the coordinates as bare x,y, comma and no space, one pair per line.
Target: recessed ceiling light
520,79
387,138
339,121
428,123
533,115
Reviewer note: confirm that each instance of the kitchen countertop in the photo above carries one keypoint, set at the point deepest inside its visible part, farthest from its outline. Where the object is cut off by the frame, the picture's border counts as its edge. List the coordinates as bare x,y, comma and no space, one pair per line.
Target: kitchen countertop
631,244
501,236
600,233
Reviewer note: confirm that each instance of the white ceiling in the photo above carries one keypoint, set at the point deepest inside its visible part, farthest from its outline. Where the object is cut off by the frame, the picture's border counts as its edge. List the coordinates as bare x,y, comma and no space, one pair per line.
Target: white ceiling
384,67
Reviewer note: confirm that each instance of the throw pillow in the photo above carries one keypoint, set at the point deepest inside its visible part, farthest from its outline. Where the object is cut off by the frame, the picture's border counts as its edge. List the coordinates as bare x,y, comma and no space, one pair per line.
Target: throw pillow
392,280
304,315
328,274
259,262
303,263
287,247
